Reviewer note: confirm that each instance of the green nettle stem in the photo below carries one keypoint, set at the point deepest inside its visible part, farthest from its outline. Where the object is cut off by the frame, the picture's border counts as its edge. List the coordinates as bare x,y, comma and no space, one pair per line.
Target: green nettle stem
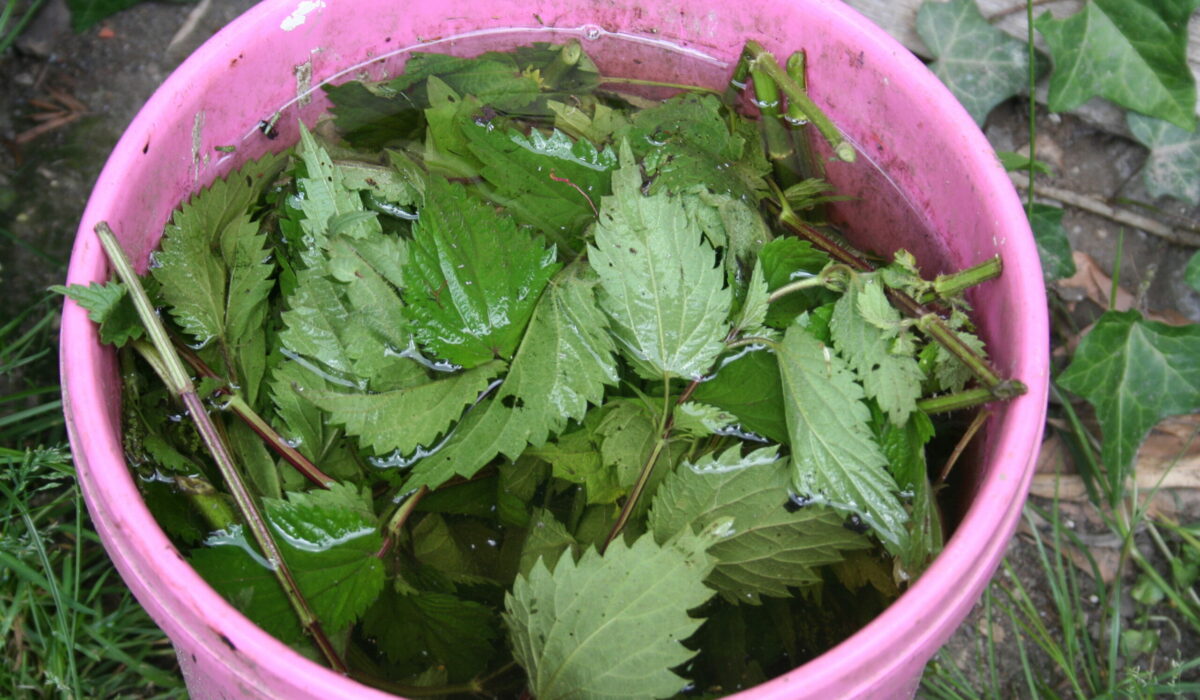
775,134
180,384
949,285
563,63
761,60
664,431
396,523
614,80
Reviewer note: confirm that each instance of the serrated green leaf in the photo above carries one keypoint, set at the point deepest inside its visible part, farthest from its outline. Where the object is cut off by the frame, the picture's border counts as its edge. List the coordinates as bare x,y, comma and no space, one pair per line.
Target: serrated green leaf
472,278
893,380
753,313
406,419
417,628
549,182
597,127
575,457
834,456
1052,244
788,259
325,197
1173,168
1133,52
771,547
904,447
627,435
385,183
660,283
330,552
494,78
488,430
1135,373
546,542
255,461
369,119
436,543
110,306
949,372
611,626
696,419
729,223
749,388
979,63
565,359
447,151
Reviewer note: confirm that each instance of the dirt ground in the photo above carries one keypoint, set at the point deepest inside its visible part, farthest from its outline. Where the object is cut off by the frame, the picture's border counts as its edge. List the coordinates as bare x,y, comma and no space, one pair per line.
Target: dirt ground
94,83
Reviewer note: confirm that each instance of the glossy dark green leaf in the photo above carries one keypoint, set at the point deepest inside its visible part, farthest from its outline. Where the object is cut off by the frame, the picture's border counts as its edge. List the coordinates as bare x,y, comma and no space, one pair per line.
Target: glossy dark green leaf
414,629
749,388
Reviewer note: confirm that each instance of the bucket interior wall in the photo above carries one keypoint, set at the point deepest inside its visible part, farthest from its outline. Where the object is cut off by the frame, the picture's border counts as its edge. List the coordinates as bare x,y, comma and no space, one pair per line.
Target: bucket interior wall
926,180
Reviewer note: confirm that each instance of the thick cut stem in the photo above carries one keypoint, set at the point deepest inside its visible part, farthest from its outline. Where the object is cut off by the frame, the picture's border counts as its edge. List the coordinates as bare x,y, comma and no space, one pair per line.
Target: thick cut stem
760,59
946,286
180,384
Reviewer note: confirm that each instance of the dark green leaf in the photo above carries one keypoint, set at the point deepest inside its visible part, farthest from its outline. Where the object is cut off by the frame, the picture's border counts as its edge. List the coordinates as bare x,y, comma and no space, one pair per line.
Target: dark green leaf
545,542
1134,52
834,455
1052,244
329,550
411,628
370,120
771,547
472,278
609,626
1191,275
1135,373
786,260
749,388
980,64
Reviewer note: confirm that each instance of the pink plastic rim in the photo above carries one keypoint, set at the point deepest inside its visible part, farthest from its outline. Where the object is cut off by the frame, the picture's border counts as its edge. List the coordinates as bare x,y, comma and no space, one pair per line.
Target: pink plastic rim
969,203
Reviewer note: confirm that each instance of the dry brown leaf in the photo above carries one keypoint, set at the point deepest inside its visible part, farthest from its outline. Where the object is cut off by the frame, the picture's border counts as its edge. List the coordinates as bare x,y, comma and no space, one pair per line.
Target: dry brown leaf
1091,282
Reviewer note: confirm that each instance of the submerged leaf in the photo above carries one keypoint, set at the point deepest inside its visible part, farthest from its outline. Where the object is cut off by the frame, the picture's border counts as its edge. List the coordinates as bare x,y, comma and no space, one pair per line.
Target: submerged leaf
609,626
414,629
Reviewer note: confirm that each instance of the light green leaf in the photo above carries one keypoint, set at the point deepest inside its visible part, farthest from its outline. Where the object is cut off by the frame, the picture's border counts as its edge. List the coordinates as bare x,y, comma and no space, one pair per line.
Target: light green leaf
472,278
891,379
546,542
1173,168
575,457
627,436
596,127
980,64
771,547
949,372
565,359
420,627
1135,373
1134,52
753,314
1052,244
660,283
110,306
1191,275
489,429
696,419
330,551
834,457
384,183
406,419
326,197
611,626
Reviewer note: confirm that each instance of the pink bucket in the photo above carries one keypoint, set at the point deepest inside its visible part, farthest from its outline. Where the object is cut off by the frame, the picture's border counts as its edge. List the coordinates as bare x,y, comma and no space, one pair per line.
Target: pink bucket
926,180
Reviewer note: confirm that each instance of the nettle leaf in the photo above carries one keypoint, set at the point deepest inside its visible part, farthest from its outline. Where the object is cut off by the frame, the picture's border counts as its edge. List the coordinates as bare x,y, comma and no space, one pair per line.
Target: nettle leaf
980,64
575,457
409,418
414,629
785,260
696,419
1131,52
859,318
627,435
330,550
595,121
659,281
1173,168
1053,246
565,359
949,372
370,118
549,182
1135,373
563,363
753,313
472,278
494,78
609,626
325,199
545,542
749,388
834,456
109,306
904,447
771,547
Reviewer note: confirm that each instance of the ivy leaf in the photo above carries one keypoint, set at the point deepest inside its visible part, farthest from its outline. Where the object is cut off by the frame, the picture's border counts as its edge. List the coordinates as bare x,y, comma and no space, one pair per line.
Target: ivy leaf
771,547
659,281
411,628
609,626
1173,168
472,278
549,182
980,64
1052,244
1135,373
1191,275
893,380
329,549
834,457
1133,52
109,306
410,418
749,388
